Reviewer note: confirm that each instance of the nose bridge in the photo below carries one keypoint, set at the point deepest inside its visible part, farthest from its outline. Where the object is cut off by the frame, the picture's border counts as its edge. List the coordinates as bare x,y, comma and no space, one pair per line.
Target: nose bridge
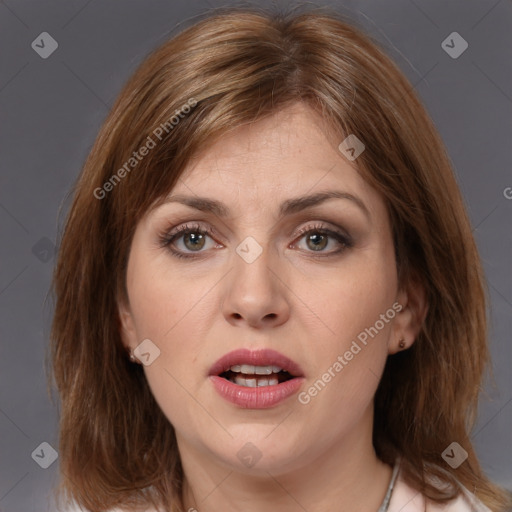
252,262
256,257
254,231
253,291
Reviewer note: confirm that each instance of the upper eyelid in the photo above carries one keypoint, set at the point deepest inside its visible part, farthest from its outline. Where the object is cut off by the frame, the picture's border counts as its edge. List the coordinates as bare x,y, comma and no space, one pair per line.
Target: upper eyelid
207,226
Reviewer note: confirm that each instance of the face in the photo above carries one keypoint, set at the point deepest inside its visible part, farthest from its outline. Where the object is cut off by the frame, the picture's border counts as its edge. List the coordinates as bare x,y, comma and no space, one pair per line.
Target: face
313,281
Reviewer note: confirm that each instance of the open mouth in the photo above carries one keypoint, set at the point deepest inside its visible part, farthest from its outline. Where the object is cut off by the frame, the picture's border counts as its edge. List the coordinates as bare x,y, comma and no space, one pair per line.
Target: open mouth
256,379
256,376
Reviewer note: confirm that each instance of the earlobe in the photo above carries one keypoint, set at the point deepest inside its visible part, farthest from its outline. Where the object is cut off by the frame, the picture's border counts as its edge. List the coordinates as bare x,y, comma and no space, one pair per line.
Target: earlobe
410,319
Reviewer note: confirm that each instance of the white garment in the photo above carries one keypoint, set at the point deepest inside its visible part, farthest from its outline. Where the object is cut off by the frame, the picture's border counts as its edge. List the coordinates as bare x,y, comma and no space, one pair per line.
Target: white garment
407,499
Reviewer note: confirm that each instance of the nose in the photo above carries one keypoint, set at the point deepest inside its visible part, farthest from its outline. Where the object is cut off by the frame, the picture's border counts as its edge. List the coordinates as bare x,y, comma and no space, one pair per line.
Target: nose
255,293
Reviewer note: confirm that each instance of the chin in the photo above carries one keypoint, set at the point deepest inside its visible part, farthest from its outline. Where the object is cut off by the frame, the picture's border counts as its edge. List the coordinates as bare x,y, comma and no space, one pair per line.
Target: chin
255,452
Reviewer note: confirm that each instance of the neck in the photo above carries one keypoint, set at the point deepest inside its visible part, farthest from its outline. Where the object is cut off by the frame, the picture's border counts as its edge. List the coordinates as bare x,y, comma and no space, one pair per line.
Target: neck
346,475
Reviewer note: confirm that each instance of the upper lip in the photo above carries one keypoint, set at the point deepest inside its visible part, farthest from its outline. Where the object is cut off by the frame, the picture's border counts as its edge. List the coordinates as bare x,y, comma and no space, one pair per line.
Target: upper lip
261,357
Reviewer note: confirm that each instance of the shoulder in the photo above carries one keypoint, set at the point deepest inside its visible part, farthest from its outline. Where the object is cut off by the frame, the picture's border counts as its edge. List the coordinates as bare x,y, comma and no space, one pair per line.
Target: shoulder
407,499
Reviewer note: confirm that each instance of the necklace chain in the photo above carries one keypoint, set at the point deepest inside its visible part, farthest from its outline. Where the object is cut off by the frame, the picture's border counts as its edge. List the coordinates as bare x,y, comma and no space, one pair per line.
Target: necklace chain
385,504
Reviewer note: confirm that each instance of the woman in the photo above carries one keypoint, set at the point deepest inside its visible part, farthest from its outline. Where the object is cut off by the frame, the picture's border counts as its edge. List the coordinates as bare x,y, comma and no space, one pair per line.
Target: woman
268,294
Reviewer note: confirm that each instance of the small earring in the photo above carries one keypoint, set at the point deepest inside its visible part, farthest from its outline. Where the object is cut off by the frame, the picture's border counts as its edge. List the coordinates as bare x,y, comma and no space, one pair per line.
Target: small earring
401,343
132,357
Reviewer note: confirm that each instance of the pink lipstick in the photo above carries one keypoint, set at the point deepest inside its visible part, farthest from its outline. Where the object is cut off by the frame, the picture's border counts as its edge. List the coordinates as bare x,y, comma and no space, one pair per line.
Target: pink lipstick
256,379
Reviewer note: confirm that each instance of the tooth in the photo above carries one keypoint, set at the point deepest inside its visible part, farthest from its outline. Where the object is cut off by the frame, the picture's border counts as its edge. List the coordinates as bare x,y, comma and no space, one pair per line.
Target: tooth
247,368
276,369
242,381
263,370
253,383
236,368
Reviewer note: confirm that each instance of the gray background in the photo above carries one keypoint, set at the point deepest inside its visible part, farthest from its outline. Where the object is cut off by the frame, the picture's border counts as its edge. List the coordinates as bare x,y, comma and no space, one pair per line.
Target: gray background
51,110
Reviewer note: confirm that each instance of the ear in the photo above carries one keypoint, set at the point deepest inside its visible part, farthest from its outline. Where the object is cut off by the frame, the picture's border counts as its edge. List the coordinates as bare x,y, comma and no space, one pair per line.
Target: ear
127,325
410,318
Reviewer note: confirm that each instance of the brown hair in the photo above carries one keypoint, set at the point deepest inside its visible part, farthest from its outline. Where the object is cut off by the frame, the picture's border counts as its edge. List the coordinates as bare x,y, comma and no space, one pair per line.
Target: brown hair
235,67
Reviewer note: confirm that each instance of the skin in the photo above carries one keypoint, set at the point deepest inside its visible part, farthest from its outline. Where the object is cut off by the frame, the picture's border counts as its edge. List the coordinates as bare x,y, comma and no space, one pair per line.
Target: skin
315,456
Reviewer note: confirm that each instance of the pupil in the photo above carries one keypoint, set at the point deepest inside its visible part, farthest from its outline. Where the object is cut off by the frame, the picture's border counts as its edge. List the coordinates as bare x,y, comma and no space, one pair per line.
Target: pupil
195,238
316,247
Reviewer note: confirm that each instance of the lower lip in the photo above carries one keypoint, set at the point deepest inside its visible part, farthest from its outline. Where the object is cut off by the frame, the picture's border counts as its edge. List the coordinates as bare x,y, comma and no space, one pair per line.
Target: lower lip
256,398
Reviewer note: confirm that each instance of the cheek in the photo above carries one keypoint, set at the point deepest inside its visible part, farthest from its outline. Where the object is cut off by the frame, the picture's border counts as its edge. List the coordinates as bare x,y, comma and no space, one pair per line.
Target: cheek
160,297
171,318
352,353
173,309
344,299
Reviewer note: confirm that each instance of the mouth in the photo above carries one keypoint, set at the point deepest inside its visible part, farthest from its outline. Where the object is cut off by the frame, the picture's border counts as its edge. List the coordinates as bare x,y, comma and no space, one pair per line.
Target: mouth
256,368
252,376
256,378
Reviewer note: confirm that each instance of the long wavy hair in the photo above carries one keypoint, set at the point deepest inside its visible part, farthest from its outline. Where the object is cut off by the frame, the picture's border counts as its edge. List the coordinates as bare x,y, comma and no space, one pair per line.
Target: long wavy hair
237,66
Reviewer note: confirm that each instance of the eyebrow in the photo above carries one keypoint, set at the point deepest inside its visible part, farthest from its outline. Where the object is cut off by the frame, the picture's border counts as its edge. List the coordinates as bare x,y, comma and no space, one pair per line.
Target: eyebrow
288,207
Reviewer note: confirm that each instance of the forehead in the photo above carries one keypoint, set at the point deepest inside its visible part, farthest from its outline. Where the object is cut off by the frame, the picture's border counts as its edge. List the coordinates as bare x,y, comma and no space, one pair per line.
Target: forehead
289,153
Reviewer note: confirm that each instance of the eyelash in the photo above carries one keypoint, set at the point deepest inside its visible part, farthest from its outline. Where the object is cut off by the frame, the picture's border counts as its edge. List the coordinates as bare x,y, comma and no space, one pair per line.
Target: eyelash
167,239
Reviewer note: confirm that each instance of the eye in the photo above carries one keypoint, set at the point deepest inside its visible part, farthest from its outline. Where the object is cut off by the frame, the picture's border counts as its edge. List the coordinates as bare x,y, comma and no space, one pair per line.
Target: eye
192,236
317,238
